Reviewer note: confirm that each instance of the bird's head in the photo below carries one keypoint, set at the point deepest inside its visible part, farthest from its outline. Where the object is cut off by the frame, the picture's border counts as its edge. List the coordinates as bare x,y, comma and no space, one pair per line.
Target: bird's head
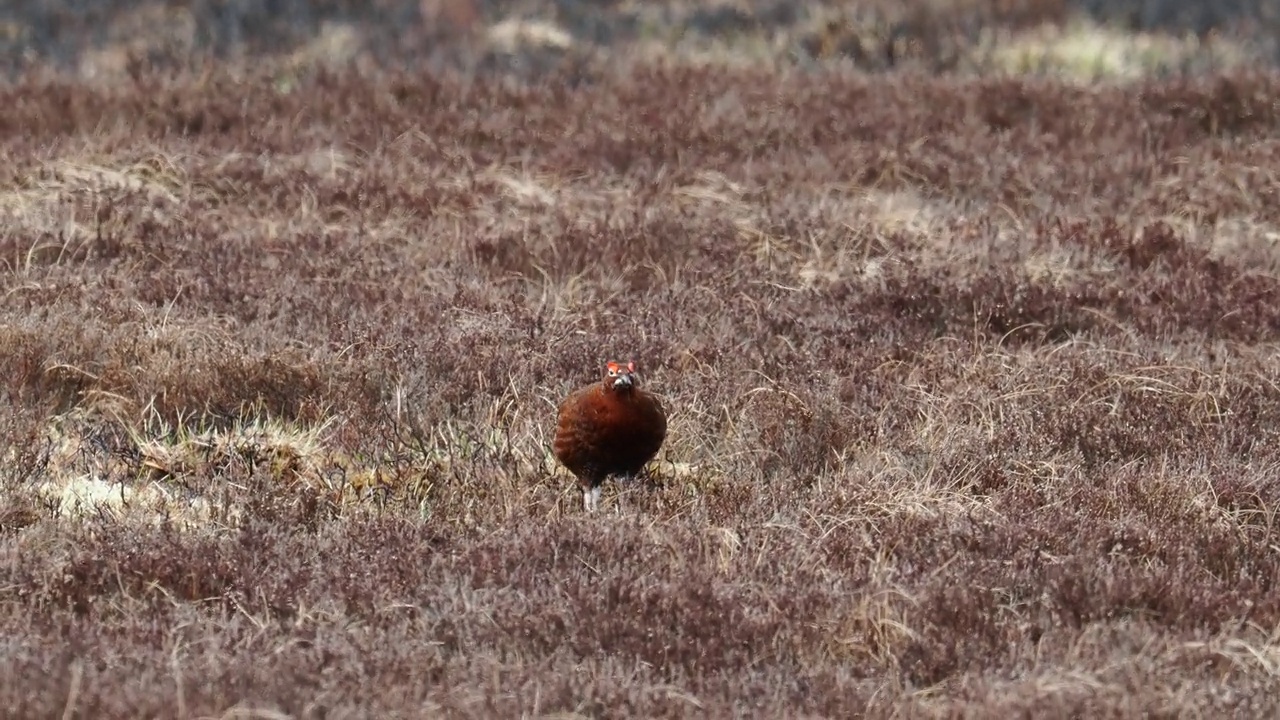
619,377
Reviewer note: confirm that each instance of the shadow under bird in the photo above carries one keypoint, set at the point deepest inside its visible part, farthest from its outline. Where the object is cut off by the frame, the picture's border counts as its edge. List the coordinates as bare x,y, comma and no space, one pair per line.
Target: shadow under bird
611,427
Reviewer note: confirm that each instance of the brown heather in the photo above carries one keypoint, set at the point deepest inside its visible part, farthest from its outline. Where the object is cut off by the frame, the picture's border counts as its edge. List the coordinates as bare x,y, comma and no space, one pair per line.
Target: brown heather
972,382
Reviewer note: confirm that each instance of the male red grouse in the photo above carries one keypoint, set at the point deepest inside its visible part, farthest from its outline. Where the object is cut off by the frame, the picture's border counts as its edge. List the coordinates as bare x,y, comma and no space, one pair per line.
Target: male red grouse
608,428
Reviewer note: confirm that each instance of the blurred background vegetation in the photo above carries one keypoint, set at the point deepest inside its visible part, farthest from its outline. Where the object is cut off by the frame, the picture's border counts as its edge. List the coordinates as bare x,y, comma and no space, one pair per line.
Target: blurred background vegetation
1093,39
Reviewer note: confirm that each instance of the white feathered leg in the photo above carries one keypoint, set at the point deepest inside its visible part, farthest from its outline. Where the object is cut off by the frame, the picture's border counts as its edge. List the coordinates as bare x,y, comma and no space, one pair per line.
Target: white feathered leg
591,499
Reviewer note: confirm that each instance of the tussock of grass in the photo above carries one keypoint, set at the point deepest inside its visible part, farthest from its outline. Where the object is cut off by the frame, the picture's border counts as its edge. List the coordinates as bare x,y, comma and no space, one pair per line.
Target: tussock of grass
1087,52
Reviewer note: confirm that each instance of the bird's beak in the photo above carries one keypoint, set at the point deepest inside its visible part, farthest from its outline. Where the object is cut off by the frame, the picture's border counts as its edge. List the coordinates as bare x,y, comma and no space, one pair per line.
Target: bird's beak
622,382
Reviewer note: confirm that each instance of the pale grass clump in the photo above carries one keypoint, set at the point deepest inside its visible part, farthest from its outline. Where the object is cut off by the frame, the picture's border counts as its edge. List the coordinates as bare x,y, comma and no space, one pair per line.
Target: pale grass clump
1085,52
165,471
876,625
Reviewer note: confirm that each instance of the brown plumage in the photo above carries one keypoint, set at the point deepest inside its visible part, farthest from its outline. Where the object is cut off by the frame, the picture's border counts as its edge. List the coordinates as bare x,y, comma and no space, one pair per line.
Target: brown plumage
611,427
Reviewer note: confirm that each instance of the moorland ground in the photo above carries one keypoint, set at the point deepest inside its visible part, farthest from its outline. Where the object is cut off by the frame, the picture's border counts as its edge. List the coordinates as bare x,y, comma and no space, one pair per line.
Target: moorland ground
972,381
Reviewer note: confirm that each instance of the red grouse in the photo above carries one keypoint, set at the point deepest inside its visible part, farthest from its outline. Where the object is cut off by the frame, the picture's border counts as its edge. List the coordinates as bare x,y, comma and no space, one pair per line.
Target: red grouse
608,428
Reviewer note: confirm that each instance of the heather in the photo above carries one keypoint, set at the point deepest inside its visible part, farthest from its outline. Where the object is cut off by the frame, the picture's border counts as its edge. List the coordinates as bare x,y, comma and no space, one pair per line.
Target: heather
970,371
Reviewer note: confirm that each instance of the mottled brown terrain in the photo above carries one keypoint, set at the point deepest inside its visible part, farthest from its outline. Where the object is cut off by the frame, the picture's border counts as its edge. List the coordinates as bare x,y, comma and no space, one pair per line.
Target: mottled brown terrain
972,389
